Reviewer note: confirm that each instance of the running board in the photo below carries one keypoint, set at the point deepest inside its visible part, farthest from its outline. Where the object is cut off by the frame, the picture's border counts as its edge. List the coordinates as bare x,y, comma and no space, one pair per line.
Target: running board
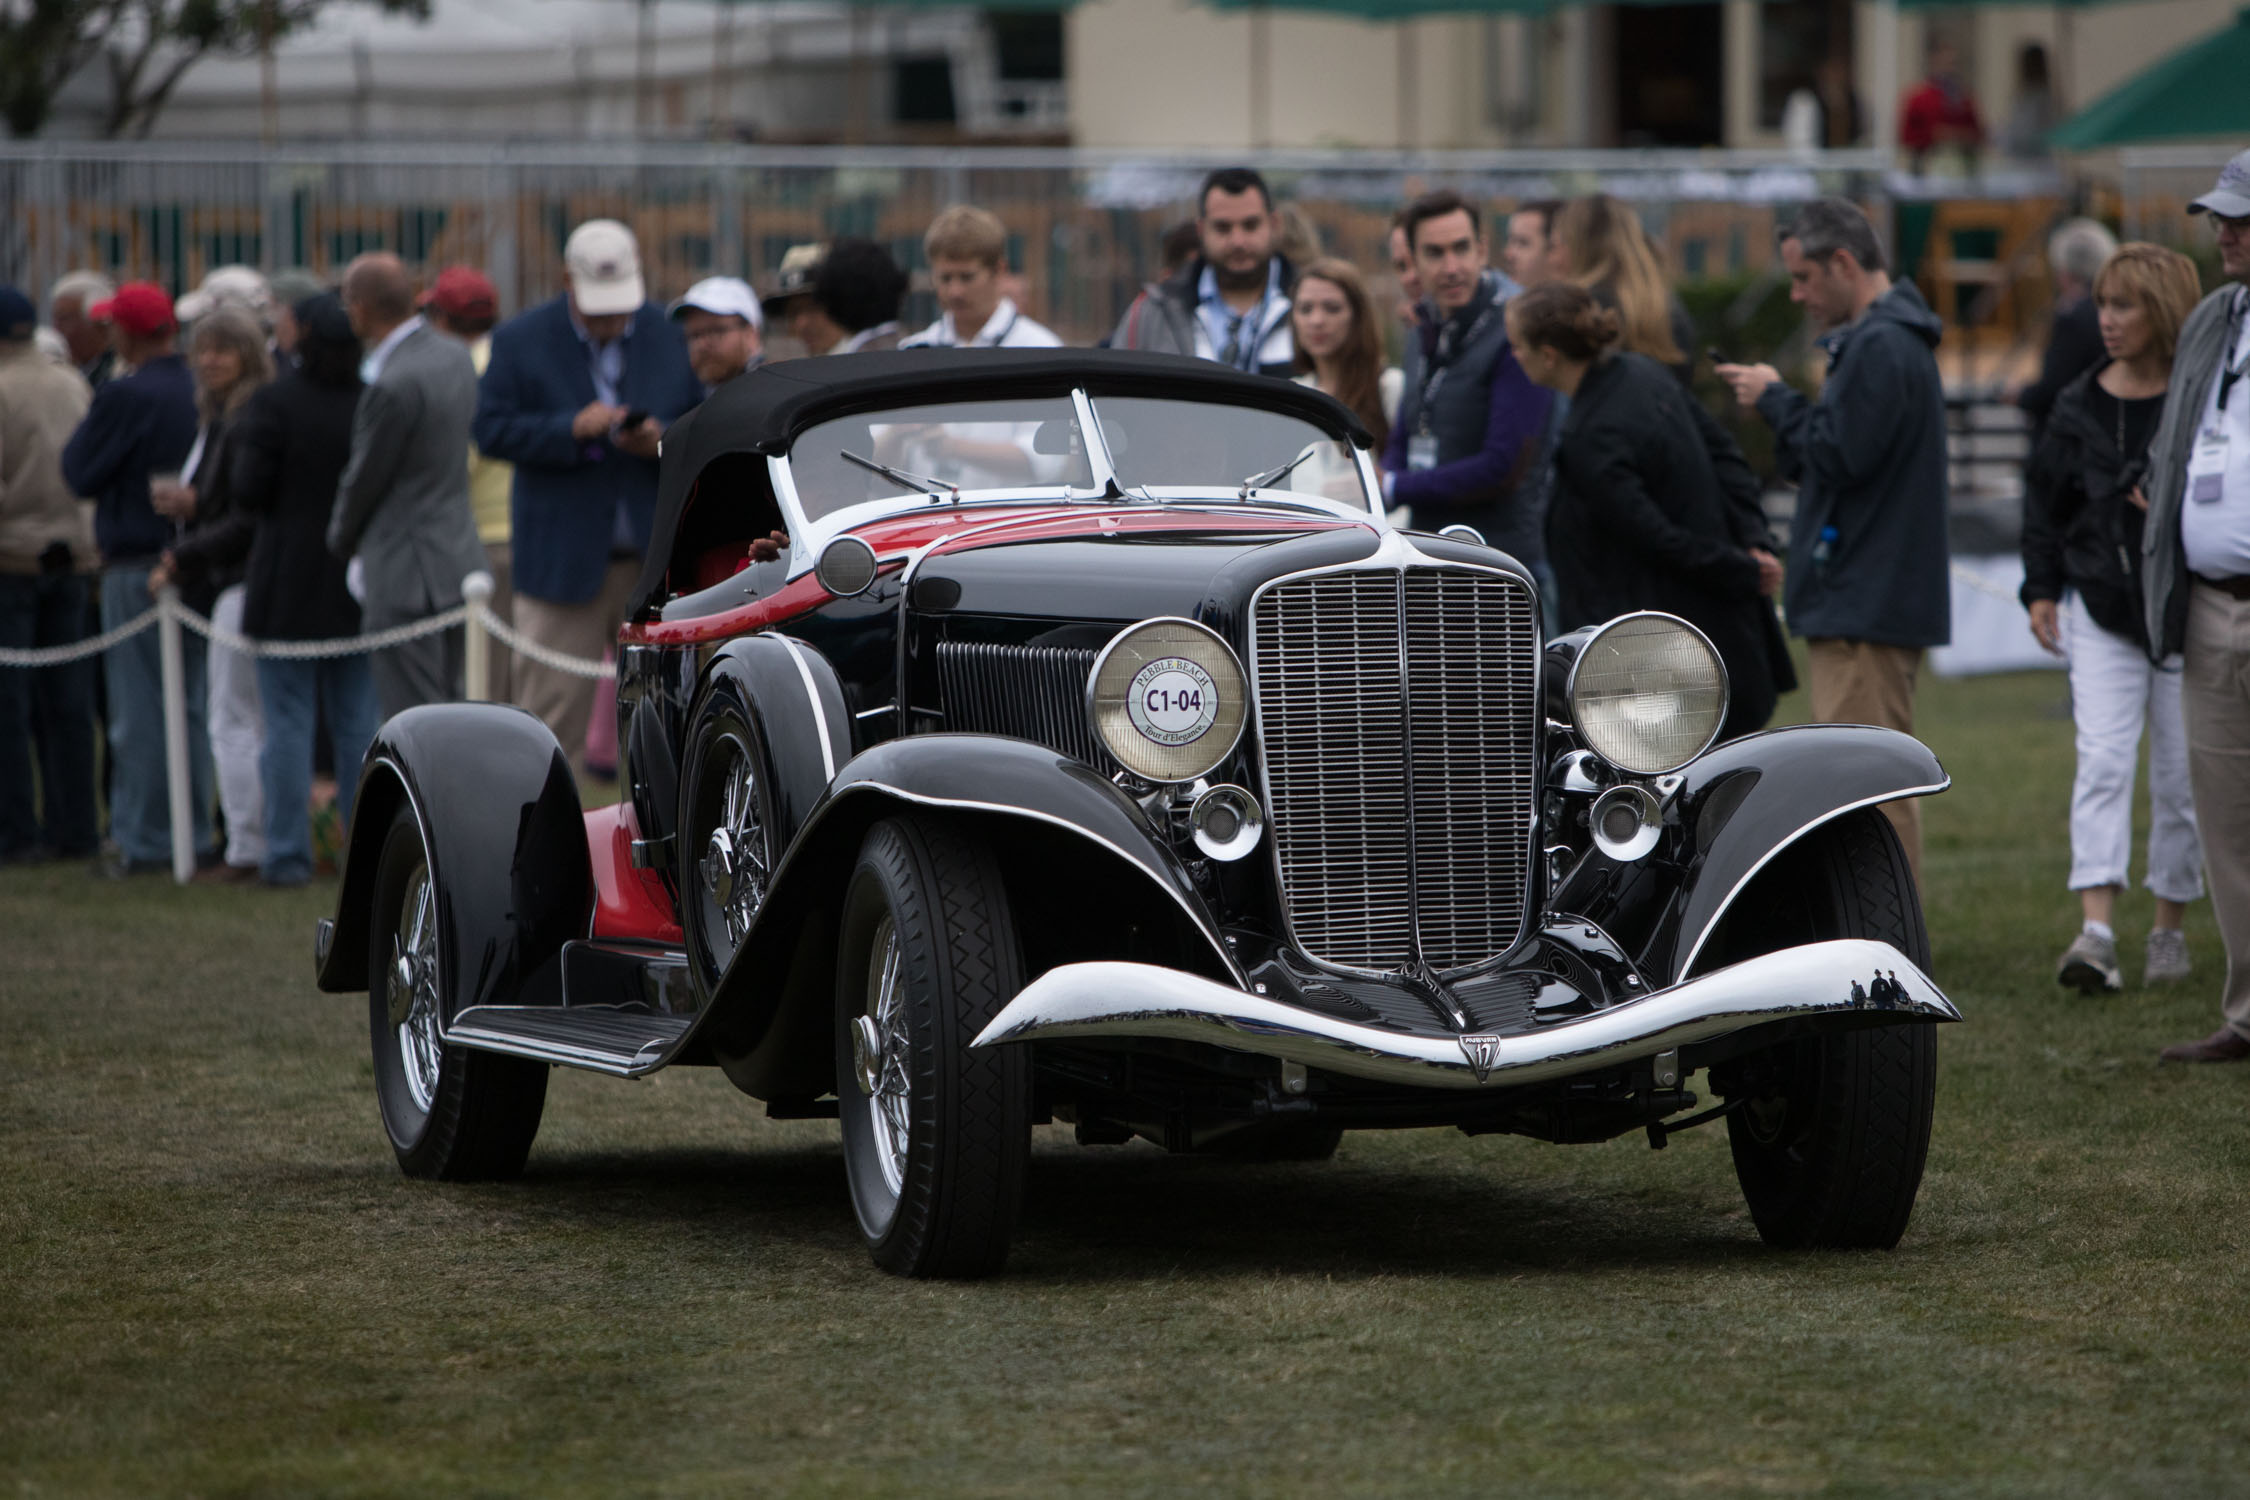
621,1043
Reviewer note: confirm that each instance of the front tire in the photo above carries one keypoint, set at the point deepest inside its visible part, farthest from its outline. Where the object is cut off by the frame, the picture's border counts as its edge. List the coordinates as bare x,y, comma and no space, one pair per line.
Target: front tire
450,1113
937,1134
1830,1146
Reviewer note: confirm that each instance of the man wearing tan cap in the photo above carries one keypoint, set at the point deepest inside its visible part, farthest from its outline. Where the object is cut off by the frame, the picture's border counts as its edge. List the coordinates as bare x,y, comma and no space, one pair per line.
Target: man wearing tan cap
576,395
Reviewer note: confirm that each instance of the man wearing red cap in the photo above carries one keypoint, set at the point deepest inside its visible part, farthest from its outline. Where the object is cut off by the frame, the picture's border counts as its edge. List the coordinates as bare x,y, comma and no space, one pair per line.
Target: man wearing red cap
464,303
140,424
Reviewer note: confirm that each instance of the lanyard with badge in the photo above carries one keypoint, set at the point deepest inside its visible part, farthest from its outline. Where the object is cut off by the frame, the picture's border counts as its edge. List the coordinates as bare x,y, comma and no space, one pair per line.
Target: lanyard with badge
2207,464
1422,446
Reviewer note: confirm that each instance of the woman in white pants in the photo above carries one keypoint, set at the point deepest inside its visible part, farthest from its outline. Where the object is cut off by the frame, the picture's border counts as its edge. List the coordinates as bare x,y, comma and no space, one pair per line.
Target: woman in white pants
228,352
2081,553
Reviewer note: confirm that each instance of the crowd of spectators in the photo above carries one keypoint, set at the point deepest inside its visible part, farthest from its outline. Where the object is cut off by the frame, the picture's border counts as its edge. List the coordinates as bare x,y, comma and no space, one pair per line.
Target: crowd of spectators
314,462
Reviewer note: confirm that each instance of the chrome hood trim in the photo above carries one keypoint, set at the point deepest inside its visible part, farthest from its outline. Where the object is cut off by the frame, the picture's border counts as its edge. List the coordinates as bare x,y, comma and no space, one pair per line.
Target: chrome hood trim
1080,1002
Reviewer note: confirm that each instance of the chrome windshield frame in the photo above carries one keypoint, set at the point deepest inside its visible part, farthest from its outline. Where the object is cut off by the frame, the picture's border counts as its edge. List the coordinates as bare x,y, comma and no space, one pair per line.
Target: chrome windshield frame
809,534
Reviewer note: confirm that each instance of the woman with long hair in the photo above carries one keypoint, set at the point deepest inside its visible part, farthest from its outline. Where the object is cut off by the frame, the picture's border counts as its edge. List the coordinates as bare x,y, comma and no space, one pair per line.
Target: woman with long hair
1340,344
1654,506
227,351
2082,519
1601,244
294,441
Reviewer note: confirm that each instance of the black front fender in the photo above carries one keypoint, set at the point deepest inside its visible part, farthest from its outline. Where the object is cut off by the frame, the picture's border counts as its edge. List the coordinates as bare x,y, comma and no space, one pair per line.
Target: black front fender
506,839
1063,833
1751,798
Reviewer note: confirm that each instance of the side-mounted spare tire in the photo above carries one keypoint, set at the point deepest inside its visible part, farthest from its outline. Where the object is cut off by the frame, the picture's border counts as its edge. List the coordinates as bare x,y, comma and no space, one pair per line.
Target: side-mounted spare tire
450,1112
1830,1144
937,1133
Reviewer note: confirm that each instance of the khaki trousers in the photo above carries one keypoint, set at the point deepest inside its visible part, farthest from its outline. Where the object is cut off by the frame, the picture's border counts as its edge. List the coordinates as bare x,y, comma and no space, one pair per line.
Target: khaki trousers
564,700
2215,698
1860,682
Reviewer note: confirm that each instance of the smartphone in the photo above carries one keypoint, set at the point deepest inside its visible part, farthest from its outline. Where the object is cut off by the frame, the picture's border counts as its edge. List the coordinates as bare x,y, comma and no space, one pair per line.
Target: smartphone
1717,356
632,419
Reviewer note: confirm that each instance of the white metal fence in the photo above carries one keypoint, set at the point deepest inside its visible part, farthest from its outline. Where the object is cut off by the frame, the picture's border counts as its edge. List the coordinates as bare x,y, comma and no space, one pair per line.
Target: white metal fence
1085,225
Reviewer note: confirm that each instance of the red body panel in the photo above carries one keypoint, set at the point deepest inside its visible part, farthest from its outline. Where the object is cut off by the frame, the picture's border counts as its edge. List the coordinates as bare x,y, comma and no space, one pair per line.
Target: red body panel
628,903
898,538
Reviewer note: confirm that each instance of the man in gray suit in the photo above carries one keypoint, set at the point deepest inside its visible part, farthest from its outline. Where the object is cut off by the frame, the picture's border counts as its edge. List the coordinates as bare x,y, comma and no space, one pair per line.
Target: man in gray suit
402,506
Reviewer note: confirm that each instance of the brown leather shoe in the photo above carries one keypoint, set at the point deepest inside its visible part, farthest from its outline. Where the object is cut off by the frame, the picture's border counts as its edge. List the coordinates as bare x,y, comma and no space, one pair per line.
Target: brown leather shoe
2223,1045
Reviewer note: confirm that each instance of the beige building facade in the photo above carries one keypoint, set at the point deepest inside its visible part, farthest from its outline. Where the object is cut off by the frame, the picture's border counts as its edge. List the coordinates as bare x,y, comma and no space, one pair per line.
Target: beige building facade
1178,75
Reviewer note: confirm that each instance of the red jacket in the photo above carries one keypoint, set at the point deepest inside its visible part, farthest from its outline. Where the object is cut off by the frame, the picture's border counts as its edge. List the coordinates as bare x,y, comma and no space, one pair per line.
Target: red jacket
1937,115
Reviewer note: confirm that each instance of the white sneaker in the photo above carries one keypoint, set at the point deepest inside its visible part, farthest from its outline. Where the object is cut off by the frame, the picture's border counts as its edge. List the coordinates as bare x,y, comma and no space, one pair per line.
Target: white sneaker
2089,965
2167,961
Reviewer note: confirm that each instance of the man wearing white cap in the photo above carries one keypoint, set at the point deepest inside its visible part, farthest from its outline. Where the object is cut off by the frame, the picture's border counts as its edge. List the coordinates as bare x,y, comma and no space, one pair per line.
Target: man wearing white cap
725,329
577,393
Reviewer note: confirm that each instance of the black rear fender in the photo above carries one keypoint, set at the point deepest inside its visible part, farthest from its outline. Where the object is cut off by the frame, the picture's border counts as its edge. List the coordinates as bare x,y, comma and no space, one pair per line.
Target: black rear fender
506,838
1087,878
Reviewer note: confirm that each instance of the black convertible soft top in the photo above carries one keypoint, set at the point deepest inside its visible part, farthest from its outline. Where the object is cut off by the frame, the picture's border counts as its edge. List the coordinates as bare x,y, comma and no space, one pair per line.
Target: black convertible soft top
762,412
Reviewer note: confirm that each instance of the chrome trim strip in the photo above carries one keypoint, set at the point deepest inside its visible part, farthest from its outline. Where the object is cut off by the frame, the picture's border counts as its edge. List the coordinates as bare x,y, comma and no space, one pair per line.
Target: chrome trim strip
1078,1002
812,691
559,1053
1195,920
1719,913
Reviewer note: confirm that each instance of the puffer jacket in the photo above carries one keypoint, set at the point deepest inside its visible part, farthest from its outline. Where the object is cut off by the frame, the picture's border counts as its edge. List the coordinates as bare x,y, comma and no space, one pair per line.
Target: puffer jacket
2079,531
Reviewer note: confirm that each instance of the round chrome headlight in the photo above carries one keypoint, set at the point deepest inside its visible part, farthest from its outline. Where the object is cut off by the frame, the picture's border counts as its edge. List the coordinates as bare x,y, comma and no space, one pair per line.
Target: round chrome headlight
1648,693
1168,699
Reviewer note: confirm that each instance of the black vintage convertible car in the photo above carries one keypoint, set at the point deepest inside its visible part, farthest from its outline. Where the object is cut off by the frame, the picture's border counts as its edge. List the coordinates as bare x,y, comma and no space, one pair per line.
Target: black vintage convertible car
1096,751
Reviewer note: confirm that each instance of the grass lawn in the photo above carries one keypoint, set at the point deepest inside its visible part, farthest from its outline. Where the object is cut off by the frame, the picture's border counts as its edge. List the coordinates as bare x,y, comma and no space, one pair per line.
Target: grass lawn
214,1281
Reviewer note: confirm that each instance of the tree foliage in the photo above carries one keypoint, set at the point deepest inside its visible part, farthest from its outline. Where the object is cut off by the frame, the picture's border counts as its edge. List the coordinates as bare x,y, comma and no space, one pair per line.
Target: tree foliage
145,47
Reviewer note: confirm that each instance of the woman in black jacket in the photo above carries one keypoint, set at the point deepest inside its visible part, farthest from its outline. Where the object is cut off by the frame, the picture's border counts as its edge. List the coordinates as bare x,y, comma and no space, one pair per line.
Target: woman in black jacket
228,352
289,451
2081,584
1654,506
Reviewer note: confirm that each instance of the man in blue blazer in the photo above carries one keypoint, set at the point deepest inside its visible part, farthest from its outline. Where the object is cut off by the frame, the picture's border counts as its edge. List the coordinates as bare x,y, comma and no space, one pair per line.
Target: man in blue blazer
554,401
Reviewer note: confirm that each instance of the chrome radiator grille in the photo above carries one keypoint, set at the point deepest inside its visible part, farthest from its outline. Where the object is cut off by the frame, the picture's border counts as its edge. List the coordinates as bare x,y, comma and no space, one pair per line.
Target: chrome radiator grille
1396,714
1030,692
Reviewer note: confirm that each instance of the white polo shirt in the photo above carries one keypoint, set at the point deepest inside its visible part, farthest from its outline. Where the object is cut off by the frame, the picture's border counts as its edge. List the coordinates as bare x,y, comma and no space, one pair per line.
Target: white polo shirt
1007,328
2215,531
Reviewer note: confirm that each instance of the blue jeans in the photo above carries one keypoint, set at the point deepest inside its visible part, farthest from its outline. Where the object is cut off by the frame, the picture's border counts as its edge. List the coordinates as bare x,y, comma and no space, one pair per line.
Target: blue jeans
345,687
47,719
140,804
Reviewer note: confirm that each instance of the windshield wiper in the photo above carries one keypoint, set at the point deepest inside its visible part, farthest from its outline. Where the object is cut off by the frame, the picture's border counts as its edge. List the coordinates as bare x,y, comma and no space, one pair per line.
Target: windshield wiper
1282,471
922,482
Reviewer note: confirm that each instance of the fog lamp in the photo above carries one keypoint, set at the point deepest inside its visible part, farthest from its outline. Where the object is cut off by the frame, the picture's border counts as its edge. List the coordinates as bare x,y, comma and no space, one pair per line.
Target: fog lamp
1226,822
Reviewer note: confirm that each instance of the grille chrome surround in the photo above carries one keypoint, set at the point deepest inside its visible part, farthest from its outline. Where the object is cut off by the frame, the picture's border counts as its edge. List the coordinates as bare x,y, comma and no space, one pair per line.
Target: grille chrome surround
1035,693
1397,716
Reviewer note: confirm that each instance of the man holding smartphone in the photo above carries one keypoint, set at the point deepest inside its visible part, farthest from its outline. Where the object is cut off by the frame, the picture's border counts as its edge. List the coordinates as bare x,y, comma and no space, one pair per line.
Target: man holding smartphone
577,394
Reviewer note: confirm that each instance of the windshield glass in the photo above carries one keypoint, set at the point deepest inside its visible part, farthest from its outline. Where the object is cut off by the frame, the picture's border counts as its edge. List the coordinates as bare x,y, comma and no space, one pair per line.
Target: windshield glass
1161,448
968,445
1173,446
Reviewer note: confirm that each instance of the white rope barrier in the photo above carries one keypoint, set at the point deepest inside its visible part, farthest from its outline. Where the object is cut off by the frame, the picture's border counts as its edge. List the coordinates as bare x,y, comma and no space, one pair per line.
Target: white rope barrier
168,617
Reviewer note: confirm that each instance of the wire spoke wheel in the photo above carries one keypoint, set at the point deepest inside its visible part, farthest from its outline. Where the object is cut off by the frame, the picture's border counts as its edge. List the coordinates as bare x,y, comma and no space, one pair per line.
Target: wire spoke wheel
414,990
880,1046
450,1112
937,1131
728,835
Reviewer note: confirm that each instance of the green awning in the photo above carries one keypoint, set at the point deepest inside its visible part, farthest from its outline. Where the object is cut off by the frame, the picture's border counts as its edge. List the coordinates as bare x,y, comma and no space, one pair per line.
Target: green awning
2199,92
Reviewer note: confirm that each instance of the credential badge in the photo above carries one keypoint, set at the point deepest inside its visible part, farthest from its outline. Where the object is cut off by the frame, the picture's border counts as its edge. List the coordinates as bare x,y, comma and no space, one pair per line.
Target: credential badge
1482,1049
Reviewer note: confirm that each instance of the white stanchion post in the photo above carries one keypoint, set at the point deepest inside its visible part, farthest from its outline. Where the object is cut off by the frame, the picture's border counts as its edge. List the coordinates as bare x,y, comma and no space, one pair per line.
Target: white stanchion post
476,643
173,665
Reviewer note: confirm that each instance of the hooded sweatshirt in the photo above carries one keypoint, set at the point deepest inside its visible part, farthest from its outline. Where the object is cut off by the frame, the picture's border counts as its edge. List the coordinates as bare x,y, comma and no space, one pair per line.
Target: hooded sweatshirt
1867,552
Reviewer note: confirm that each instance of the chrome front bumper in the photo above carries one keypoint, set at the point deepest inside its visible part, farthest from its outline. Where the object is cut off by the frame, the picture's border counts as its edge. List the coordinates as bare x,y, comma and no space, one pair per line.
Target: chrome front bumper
1849,976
